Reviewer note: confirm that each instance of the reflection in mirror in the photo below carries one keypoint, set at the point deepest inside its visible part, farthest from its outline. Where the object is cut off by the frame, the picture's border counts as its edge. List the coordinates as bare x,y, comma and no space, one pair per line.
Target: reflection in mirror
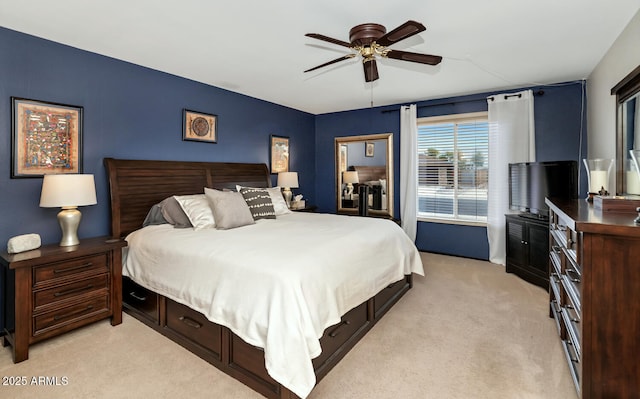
365,163
628,132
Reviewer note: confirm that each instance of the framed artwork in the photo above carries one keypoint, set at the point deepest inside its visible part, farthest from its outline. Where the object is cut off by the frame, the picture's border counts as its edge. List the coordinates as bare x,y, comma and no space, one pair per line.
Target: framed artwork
343,157
46,138
369,147
198,126
279,154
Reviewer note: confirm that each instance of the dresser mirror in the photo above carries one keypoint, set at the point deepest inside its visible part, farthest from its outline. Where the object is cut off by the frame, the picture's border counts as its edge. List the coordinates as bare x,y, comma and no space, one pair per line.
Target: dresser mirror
627,94
365,161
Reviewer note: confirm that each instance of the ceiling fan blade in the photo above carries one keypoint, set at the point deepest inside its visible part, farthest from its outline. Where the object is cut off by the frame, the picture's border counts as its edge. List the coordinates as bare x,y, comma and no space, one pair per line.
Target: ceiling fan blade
328,39
370,70
345,57
403,31
414,57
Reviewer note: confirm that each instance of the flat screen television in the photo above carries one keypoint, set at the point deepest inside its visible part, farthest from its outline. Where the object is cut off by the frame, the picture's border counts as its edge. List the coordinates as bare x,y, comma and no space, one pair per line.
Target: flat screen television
531,182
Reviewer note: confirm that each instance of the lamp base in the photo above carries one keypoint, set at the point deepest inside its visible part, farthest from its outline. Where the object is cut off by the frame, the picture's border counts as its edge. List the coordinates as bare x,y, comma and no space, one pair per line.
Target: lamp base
286,192
69,219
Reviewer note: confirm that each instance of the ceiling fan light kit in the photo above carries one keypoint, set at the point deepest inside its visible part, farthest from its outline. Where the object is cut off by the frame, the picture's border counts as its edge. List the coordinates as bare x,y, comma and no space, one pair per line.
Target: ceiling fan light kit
371,41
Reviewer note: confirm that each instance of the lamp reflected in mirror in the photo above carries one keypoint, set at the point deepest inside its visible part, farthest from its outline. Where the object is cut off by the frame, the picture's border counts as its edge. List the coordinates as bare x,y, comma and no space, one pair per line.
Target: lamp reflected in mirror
364,161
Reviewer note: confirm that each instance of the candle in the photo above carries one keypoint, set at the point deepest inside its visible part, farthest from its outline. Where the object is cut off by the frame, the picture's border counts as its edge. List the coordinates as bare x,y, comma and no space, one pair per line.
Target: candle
633,182
598,180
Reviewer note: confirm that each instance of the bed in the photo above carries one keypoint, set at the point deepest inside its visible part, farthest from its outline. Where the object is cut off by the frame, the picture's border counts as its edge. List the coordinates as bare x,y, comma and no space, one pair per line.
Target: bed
288,317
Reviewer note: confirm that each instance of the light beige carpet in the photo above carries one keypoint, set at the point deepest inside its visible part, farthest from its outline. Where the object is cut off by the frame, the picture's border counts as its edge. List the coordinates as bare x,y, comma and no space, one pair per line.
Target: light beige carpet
466,330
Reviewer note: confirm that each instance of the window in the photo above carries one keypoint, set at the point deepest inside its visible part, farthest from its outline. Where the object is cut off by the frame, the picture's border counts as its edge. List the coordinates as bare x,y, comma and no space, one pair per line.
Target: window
453,156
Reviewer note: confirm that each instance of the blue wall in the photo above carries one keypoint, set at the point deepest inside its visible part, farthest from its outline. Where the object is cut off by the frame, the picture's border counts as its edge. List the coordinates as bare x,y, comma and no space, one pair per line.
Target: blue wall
129,112
559,122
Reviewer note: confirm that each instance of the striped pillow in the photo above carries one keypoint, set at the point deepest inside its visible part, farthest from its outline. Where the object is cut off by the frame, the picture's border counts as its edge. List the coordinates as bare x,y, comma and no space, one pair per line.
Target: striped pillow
259,202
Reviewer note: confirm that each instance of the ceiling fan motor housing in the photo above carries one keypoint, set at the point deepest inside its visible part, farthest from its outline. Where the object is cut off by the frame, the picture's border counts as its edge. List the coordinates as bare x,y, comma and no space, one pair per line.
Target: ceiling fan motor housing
365,34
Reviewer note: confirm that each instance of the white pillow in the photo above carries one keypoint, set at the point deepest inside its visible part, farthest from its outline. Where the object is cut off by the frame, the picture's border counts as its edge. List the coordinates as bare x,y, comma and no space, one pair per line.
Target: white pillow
279,204
197,209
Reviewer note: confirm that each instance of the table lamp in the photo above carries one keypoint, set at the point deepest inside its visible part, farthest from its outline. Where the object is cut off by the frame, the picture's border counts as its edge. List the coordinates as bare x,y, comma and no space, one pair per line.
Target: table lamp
349,177
68,191
288,180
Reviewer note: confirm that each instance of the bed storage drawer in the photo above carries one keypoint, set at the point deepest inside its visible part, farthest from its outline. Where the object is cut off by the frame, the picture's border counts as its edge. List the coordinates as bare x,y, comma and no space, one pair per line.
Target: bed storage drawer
140,299
340,335
384,299
194,327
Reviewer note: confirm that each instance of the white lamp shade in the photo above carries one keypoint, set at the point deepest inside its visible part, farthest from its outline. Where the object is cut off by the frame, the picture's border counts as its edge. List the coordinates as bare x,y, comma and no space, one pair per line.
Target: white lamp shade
350,177
68,190
288,179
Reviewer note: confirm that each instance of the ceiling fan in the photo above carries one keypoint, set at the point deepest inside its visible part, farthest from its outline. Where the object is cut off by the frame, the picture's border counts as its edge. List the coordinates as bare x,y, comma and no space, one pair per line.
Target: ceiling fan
371,40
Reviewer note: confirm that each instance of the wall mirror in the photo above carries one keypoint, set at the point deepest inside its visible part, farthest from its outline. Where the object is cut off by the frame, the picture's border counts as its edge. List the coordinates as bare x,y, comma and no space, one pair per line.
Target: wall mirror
627,94
365,161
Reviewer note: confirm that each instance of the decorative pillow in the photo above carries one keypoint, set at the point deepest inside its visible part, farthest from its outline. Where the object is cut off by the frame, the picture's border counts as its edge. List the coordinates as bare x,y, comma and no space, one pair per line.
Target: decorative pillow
154,216
173,213
279,204
229,209
259,202
197,209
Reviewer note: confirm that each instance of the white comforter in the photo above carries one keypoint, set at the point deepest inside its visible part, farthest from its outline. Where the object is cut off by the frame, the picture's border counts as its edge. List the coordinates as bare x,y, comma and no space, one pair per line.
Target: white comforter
277,284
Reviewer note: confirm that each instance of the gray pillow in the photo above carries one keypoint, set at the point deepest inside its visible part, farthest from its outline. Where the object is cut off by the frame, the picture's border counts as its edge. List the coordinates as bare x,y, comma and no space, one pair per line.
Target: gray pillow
259,202
229,209
154,216
173,213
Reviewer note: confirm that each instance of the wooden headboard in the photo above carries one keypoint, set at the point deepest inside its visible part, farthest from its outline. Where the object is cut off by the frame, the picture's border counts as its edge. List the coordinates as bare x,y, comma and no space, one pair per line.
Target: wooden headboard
136,185
371,173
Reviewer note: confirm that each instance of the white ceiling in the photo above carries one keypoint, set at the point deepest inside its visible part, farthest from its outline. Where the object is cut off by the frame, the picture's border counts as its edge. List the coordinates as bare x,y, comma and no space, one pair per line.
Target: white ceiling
258,48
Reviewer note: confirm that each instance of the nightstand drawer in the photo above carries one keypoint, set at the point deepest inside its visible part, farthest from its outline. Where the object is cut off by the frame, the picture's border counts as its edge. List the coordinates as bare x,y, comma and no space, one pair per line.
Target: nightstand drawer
86,265
70,291
70,314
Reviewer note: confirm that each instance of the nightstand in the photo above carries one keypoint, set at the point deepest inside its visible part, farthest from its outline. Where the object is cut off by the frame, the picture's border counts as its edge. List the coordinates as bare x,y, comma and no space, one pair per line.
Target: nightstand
52,290
307,208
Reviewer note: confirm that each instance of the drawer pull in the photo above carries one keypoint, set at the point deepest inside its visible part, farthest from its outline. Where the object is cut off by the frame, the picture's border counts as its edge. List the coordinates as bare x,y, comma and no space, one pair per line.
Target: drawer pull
73,290
571,271
569,242
64,316
69,269
556,249
334,333
190,322
134,295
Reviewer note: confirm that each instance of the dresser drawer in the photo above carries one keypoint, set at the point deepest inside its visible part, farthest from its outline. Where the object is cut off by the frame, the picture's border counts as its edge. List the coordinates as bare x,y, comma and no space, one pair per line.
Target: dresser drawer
69,291
63,316
87,265
194,327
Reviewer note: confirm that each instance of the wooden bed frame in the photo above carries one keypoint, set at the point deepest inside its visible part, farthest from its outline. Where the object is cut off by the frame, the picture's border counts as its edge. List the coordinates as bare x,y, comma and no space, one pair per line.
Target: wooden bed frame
135,186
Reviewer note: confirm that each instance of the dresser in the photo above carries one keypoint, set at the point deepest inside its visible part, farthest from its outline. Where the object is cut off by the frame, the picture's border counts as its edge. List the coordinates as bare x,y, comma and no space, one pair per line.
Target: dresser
594,272
52,290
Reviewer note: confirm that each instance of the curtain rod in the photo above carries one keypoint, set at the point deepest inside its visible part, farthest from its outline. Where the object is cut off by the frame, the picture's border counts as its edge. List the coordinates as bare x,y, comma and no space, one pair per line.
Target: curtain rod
536,93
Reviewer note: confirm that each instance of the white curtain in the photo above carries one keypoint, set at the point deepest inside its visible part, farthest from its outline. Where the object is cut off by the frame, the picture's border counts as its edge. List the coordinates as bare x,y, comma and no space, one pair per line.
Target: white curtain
511,139
409,169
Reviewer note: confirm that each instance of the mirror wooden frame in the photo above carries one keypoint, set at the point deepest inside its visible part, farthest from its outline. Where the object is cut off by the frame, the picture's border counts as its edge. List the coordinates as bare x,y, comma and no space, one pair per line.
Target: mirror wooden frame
342,141
624,90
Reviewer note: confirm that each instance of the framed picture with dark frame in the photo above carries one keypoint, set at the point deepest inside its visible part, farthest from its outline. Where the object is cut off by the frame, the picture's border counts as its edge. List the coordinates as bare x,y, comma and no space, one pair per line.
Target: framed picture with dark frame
46,138
279,153
369,148
198,126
